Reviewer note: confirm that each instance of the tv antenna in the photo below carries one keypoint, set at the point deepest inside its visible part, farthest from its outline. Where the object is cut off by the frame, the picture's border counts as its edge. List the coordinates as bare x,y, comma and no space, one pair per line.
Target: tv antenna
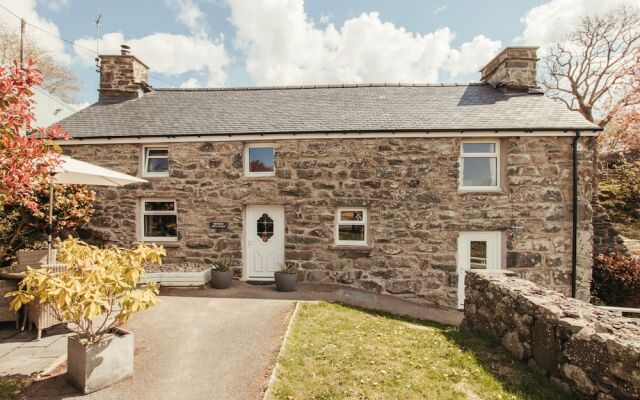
98,23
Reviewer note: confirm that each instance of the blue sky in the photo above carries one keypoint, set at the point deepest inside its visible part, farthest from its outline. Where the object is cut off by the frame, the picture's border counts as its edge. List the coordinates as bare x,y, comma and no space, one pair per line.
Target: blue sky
253,42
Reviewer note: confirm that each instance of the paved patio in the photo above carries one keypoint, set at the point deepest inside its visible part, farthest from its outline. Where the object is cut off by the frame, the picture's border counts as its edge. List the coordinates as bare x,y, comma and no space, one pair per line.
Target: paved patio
193,348
325,292
21,356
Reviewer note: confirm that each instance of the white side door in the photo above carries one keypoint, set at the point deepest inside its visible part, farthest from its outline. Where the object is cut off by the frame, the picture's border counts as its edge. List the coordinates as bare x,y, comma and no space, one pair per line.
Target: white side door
476,250
264,240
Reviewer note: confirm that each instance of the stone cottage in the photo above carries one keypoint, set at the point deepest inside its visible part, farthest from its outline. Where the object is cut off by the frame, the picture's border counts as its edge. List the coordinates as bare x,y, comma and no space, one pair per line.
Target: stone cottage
390,188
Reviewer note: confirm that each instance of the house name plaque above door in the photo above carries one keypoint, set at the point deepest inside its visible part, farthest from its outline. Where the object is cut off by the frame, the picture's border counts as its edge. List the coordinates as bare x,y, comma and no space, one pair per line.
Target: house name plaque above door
218,226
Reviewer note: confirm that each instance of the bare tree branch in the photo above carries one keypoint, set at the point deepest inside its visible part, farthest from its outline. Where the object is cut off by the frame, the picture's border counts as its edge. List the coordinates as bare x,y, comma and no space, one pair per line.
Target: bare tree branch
58,79
594,69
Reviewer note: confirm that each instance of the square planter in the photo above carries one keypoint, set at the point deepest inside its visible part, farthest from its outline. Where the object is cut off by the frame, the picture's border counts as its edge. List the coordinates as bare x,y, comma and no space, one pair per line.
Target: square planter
95,366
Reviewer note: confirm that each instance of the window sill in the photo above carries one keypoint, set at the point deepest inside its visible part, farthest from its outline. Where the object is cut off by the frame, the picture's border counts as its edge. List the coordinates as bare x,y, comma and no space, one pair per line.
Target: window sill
154,176
259,176
161,243
351,247
482,191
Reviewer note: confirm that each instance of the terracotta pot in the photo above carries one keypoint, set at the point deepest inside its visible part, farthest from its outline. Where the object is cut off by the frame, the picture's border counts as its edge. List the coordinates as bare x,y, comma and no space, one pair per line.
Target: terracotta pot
95,366
221,280
286,282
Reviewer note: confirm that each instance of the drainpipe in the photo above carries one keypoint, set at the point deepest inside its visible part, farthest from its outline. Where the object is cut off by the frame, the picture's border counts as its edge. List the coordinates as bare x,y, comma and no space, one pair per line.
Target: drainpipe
574,239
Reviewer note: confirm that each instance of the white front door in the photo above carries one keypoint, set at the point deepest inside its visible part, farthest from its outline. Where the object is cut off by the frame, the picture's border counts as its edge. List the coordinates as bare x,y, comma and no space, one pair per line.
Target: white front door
476,250
264,241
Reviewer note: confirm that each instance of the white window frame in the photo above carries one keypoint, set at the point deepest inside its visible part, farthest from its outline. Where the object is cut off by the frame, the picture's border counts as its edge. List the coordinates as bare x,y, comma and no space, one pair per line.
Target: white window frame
247,161
144,213
145,158
495,154
364,222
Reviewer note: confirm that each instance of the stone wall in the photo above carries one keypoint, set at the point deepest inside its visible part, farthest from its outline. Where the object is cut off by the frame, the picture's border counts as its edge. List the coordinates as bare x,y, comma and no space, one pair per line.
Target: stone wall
606,237
409,185
590,350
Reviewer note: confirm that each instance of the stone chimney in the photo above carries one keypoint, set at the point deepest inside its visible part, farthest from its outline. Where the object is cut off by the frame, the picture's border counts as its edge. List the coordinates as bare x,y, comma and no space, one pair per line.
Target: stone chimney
513,68
122,77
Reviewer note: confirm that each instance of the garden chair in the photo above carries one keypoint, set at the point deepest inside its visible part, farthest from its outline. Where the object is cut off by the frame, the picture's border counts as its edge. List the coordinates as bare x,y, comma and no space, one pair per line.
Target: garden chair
42,316
6,313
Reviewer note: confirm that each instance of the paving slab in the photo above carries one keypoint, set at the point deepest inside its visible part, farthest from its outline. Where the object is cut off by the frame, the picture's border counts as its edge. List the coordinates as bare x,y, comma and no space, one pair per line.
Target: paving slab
193,348
23,356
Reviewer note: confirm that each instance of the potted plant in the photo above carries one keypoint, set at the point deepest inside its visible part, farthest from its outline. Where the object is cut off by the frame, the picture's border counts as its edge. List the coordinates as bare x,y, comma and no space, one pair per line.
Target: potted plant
287,277
221,274
96,294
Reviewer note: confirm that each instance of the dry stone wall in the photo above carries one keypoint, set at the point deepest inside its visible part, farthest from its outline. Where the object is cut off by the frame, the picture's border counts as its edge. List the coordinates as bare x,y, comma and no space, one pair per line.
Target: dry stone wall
409,185
590,350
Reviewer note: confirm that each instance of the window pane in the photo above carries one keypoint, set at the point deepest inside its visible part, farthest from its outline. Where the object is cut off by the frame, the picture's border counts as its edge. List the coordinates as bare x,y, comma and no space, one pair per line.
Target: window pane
159,206
160,226
479,171
351,215
351,232
478,258
265,228
158,152
479,147
157,165
261,159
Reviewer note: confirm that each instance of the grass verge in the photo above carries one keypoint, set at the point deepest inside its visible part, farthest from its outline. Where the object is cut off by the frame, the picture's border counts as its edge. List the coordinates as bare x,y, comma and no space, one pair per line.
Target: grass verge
341,352
9,389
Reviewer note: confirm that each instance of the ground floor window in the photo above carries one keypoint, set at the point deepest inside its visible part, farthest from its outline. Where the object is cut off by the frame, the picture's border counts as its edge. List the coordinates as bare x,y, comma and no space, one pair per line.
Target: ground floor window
159,220
351,226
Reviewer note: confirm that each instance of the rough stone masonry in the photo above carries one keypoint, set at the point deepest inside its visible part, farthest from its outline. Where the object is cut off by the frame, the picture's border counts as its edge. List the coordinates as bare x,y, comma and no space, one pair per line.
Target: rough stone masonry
592,351
410,187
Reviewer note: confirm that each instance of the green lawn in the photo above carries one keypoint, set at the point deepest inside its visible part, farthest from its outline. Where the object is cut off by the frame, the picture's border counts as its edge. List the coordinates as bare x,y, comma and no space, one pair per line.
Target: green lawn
340,352
9,390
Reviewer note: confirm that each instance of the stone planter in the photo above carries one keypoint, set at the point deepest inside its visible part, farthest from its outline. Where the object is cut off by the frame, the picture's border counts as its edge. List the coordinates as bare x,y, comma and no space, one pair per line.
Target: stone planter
286,282
95,366
221,279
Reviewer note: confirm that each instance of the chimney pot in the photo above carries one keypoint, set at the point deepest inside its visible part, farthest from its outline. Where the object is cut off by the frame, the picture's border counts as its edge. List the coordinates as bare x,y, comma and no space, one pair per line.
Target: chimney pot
125,50
512,68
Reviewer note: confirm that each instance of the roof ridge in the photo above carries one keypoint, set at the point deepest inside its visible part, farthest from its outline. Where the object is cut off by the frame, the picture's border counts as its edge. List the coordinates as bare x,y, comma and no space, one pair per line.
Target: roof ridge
327,86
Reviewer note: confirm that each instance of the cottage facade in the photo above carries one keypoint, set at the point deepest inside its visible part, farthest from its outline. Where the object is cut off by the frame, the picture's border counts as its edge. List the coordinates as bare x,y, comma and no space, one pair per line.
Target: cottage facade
394,189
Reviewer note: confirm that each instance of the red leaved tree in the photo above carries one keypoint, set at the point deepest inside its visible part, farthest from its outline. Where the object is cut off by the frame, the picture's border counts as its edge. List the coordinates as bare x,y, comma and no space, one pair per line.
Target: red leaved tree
25,160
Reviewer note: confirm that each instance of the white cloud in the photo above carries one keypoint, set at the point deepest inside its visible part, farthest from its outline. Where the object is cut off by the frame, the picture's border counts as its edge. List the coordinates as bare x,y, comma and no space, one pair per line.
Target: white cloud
440,9
325,18
55,4
168,53
283,46
463,61
27,9
190,83
547,22
190,15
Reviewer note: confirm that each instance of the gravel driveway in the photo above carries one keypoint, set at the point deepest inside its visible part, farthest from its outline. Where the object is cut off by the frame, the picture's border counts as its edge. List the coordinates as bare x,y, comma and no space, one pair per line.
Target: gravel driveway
194,348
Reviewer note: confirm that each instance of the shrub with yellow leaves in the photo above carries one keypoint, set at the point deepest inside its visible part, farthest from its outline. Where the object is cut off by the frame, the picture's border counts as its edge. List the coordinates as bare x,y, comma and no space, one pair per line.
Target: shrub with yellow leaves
98,292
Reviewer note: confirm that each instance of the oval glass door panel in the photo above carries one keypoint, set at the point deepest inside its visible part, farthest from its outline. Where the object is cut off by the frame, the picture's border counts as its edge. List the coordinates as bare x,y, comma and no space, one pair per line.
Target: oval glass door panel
264,228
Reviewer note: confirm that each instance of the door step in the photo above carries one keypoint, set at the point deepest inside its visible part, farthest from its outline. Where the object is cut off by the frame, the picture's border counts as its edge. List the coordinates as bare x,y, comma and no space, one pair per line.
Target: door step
260,283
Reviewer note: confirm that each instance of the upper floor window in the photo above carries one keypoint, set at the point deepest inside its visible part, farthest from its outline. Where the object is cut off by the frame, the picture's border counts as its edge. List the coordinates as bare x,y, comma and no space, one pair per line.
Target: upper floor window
351,226
479,165
156,161
259,160
159,220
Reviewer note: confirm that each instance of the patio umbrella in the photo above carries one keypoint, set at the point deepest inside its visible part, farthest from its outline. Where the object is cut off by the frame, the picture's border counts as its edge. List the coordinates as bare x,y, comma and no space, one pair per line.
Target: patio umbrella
76,172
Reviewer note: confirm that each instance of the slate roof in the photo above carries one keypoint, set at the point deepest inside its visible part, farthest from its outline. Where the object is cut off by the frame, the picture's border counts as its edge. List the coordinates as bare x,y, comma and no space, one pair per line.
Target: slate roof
337,108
